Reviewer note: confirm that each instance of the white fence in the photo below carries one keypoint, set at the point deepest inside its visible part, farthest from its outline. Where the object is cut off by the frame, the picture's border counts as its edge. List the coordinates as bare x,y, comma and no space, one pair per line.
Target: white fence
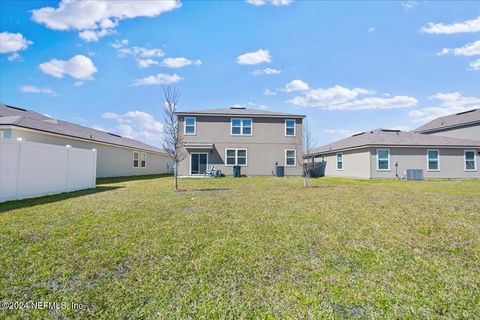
31,169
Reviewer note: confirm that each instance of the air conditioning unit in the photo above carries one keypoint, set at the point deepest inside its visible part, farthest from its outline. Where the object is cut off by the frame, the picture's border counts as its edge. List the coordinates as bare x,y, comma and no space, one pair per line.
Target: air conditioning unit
414,174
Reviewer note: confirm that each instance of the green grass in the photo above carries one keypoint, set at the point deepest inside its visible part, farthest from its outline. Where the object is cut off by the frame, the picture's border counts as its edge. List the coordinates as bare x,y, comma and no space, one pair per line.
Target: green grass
247,248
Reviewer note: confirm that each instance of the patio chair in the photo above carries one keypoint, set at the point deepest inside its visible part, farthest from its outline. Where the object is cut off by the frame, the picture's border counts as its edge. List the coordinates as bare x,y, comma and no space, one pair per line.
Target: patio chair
210,173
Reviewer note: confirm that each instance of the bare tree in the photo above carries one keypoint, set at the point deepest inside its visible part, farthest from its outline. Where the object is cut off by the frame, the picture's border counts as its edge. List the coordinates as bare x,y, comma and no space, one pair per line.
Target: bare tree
173,140
308,143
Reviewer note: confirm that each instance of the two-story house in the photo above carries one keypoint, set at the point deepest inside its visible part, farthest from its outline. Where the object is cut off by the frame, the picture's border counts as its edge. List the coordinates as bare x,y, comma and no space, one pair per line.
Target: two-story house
256,140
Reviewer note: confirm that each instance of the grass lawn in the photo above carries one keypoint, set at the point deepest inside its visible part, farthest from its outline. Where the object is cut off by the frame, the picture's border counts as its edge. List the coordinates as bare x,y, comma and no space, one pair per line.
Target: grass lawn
247,248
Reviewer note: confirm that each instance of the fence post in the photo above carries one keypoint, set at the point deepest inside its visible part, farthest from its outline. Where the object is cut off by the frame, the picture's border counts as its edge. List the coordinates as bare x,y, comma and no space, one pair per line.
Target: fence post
94,184
17,189
67,177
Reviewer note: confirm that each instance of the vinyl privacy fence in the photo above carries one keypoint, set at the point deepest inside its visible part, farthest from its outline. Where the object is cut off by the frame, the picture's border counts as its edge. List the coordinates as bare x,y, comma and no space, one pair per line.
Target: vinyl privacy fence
31,169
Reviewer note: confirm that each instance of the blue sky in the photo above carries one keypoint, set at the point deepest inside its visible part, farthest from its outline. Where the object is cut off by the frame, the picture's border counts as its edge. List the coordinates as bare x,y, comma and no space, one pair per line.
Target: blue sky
349,66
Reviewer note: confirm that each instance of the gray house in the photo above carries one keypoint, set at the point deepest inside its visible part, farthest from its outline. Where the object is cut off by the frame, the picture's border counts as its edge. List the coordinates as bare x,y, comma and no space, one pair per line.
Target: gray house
463,125
388,153
256,140
116,155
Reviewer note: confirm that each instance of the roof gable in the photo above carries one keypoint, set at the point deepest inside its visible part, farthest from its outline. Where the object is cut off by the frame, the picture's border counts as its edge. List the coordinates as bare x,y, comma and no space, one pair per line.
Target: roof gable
239,111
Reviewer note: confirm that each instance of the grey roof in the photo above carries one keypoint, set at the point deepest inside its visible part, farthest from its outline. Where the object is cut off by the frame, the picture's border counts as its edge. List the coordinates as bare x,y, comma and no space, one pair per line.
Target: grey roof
455,120
393,138
32,120
237,111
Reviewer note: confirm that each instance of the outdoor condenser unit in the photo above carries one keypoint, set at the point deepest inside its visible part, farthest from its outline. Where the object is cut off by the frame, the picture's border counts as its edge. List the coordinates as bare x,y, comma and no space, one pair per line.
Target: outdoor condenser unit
414,174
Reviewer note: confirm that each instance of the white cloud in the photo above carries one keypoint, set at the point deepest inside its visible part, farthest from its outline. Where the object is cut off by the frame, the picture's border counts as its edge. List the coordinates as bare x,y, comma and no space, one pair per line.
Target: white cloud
458,27
254,57
137,125
341,98
95,19
269,2
269,92
159,78
470,49
296,85
449,103
78,67
266,71
15,57
371,29
34,89
407,5
13,42
179,62
142,55
475,65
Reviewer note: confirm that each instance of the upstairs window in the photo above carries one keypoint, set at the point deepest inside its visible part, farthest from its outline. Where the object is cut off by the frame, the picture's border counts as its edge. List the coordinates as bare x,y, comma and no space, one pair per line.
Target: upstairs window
290,157
236,157
339,161
136,157
241,127
143,159
383,160
470,160
290,128
190,125
433,160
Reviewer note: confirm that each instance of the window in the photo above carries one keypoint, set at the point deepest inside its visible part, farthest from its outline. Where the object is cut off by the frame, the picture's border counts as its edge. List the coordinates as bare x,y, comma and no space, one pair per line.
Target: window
241,127
433,160
236,157
383,160
290,157
339,161
2,134
190,125
135,159
470,161
143,159
290,128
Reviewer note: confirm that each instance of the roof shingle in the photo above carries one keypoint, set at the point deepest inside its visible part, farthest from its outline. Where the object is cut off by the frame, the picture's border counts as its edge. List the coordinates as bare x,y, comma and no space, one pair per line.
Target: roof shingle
32,120
239,111
393,138
451,121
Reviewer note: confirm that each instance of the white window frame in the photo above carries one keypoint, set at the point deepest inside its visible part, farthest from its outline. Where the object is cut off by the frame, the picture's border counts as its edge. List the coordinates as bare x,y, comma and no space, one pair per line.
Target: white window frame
194,126
138,159
438,160
190,163
336,161
236,157
294,128
294,158
241,127
474,160
143,158
388,160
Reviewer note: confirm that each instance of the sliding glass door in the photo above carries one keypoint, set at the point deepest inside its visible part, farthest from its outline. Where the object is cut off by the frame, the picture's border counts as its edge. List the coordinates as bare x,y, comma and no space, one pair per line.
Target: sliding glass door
198,163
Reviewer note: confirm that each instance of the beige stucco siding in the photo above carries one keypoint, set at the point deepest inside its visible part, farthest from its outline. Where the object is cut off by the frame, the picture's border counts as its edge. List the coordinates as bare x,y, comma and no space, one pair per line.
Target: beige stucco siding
111,161
356,164
470,133
265,146
452,163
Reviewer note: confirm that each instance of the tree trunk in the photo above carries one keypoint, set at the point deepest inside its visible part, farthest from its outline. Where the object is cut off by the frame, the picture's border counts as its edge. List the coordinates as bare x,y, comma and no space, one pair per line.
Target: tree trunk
176,177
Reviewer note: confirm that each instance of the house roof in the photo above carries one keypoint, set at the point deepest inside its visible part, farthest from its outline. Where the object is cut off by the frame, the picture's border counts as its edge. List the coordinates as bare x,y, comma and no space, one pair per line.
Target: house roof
452,121
32,120
240,111
393,138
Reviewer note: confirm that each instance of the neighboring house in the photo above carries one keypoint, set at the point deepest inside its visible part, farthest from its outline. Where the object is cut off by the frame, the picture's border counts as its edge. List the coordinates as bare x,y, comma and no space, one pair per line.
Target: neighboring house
463,125
116,155
256,140
388,153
